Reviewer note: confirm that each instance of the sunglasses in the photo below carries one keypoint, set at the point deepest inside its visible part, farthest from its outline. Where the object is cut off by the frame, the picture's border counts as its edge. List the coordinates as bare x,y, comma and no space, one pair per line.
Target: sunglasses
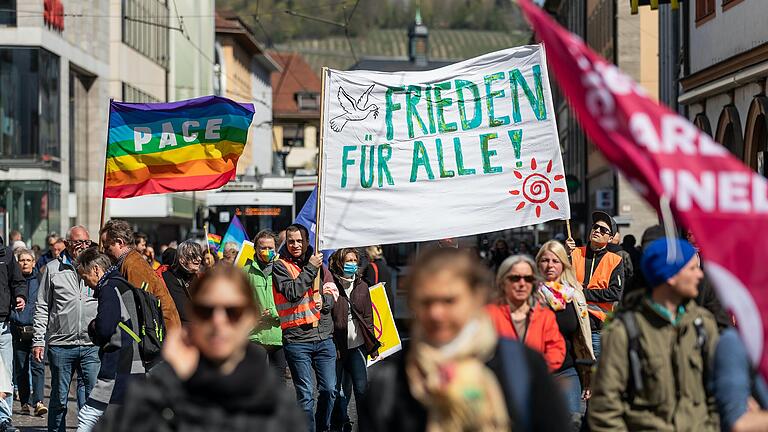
205,312
516,278
601,229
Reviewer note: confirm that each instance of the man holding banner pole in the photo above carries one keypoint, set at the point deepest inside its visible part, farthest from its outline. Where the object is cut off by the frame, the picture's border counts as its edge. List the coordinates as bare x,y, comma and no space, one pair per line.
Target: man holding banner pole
305,318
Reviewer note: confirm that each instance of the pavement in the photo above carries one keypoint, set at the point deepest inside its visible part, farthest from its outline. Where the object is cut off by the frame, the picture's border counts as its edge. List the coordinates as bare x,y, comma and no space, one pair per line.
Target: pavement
32,423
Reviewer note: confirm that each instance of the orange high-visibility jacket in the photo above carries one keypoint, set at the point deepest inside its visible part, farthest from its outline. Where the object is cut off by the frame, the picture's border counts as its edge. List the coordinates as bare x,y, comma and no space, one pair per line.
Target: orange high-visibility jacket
601,277
294,314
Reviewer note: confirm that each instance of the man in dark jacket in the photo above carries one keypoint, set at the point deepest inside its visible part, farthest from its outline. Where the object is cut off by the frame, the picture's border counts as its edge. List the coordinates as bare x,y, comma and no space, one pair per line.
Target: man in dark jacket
305,317
115,331
179,276
23,333
13,296
56,246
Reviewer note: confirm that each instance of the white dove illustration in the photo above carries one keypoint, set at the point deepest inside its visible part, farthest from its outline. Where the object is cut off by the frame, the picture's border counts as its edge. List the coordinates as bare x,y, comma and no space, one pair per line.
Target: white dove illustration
354,111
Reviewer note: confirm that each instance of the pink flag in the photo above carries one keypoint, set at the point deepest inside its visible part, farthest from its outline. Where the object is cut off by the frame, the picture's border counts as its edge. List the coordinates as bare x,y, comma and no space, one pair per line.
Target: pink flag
711,192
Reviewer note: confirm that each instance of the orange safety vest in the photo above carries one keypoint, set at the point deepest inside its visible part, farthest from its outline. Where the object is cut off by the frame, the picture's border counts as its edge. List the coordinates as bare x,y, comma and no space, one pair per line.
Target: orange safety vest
600,278
294,314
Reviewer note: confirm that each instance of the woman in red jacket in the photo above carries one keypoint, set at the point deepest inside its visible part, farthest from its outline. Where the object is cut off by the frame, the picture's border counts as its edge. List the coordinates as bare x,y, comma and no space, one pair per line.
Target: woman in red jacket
518,315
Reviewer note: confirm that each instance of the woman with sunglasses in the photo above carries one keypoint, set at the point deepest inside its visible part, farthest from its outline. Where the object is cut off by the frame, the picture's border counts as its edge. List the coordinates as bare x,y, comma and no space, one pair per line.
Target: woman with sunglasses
563,293
214,379
517,314
456,374
353,334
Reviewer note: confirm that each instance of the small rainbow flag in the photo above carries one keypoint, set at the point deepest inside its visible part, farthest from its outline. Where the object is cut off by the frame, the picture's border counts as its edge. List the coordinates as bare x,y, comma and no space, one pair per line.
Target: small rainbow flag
174,147
214,242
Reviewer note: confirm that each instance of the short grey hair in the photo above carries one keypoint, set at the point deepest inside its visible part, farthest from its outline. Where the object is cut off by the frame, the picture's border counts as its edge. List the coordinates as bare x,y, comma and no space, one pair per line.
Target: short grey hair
512,261
90,258
189,250
23,251
76,227
231,246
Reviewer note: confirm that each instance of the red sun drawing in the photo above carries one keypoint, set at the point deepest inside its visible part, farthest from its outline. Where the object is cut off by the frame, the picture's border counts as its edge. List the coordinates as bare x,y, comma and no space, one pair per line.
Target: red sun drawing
537,188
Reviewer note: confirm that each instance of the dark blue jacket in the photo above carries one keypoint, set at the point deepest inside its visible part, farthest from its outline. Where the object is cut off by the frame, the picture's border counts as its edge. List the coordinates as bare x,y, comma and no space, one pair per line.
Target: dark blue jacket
44,260
118,351
27,316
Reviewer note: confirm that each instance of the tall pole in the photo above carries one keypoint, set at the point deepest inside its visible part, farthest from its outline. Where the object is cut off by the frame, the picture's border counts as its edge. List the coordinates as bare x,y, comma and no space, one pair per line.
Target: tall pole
319,201
104,182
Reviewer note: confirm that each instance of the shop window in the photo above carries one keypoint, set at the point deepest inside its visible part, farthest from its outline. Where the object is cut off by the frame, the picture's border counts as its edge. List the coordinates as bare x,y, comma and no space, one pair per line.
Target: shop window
29,107
32,207
756,140
729,131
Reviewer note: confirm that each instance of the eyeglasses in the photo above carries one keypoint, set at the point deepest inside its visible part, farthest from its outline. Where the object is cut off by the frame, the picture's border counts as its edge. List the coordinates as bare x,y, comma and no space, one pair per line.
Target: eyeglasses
205,312
78,243
601,229
516,278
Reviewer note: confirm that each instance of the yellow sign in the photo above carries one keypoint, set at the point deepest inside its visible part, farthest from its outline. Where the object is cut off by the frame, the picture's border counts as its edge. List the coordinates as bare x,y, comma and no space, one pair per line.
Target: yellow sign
383,324
246,255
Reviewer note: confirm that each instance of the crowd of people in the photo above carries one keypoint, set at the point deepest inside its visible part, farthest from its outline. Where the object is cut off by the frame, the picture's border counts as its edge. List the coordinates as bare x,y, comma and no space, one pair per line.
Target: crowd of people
598,337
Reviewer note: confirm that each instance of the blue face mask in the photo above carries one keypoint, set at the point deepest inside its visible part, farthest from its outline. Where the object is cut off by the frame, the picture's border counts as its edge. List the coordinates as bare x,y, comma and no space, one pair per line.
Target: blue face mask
350,268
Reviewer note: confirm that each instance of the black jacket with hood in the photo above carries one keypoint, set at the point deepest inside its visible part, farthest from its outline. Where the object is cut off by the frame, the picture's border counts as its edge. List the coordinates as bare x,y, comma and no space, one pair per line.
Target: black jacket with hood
249,399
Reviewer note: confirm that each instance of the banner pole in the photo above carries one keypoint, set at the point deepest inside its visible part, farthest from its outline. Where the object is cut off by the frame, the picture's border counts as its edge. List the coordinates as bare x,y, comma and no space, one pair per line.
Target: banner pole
104,182
205,230
318,200
568,225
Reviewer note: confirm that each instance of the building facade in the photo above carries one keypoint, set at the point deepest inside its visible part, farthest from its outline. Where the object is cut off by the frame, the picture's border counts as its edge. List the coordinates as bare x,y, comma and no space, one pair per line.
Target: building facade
243,69
296,113
723,88
631,42
54,92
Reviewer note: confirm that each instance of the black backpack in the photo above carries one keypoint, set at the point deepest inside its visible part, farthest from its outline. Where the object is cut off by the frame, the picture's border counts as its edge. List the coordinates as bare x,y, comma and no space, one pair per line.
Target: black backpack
151,326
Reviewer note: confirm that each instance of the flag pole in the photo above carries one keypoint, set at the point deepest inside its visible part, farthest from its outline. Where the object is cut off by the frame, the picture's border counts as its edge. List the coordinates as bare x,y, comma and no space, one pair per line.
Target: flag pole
104,182
205,230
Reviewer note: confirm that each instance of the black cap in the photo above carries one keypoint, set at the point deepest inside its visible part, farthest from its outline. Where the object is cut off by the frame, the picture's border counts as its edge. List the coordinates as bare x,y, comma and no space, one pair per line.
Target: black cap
650,234
605,217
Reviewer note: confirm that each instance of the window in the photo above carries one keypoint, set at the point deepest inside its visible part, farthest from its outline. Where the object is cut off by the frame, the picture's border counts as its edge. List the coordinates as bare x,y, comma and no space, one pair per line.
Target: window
8,13
704,10
727,4
134,95
308,101
702,122
33,208
757,135
293,135
729,131
145,28
29,107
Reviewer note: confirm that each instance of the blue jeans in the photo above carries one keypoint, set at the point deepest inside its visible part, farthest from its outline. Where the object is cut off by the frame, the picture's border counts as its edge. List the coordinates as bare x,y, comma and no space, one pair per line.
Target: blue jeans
569,383
6,355
302,358
64,361
596,344
23,366
351,373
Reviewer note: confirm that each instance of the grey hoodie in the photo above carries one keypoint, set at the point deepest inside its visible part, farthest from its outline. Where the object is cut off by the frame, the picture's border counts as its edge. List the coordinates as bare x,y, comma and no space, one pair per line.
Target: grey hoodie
65,306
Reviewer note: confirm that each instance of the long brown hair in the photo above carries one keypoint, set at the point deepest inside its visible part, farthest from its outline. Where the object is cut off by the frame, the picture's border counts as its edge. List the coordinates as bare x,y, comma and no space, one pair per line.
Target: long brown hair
336,262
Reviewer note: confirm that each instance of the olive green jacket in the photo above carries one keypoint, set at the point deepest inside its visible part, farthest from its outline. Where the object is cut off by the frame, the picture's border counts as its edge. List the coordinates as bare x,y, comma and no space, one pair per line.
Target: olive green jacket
673,396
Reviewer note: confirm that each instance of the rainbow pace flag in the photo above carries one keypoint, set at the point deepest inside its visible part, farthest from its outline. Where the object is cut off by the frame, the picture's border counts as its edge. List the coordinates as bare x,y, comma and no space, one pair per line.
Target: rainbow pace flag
181,146
214,242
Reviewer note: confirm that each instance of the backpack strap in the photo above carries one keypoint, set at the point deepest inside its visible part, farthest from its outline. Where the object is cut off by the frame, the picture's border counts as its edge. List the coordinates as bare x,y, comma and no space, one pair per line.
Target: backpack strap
701,342
375,272
634,353
517,379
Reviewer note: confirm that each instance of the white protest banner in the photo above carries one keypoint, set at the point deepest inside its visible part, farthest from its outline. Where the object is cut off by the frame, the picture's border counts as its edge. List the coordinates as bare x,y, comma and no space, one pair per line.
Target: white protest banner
460,150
